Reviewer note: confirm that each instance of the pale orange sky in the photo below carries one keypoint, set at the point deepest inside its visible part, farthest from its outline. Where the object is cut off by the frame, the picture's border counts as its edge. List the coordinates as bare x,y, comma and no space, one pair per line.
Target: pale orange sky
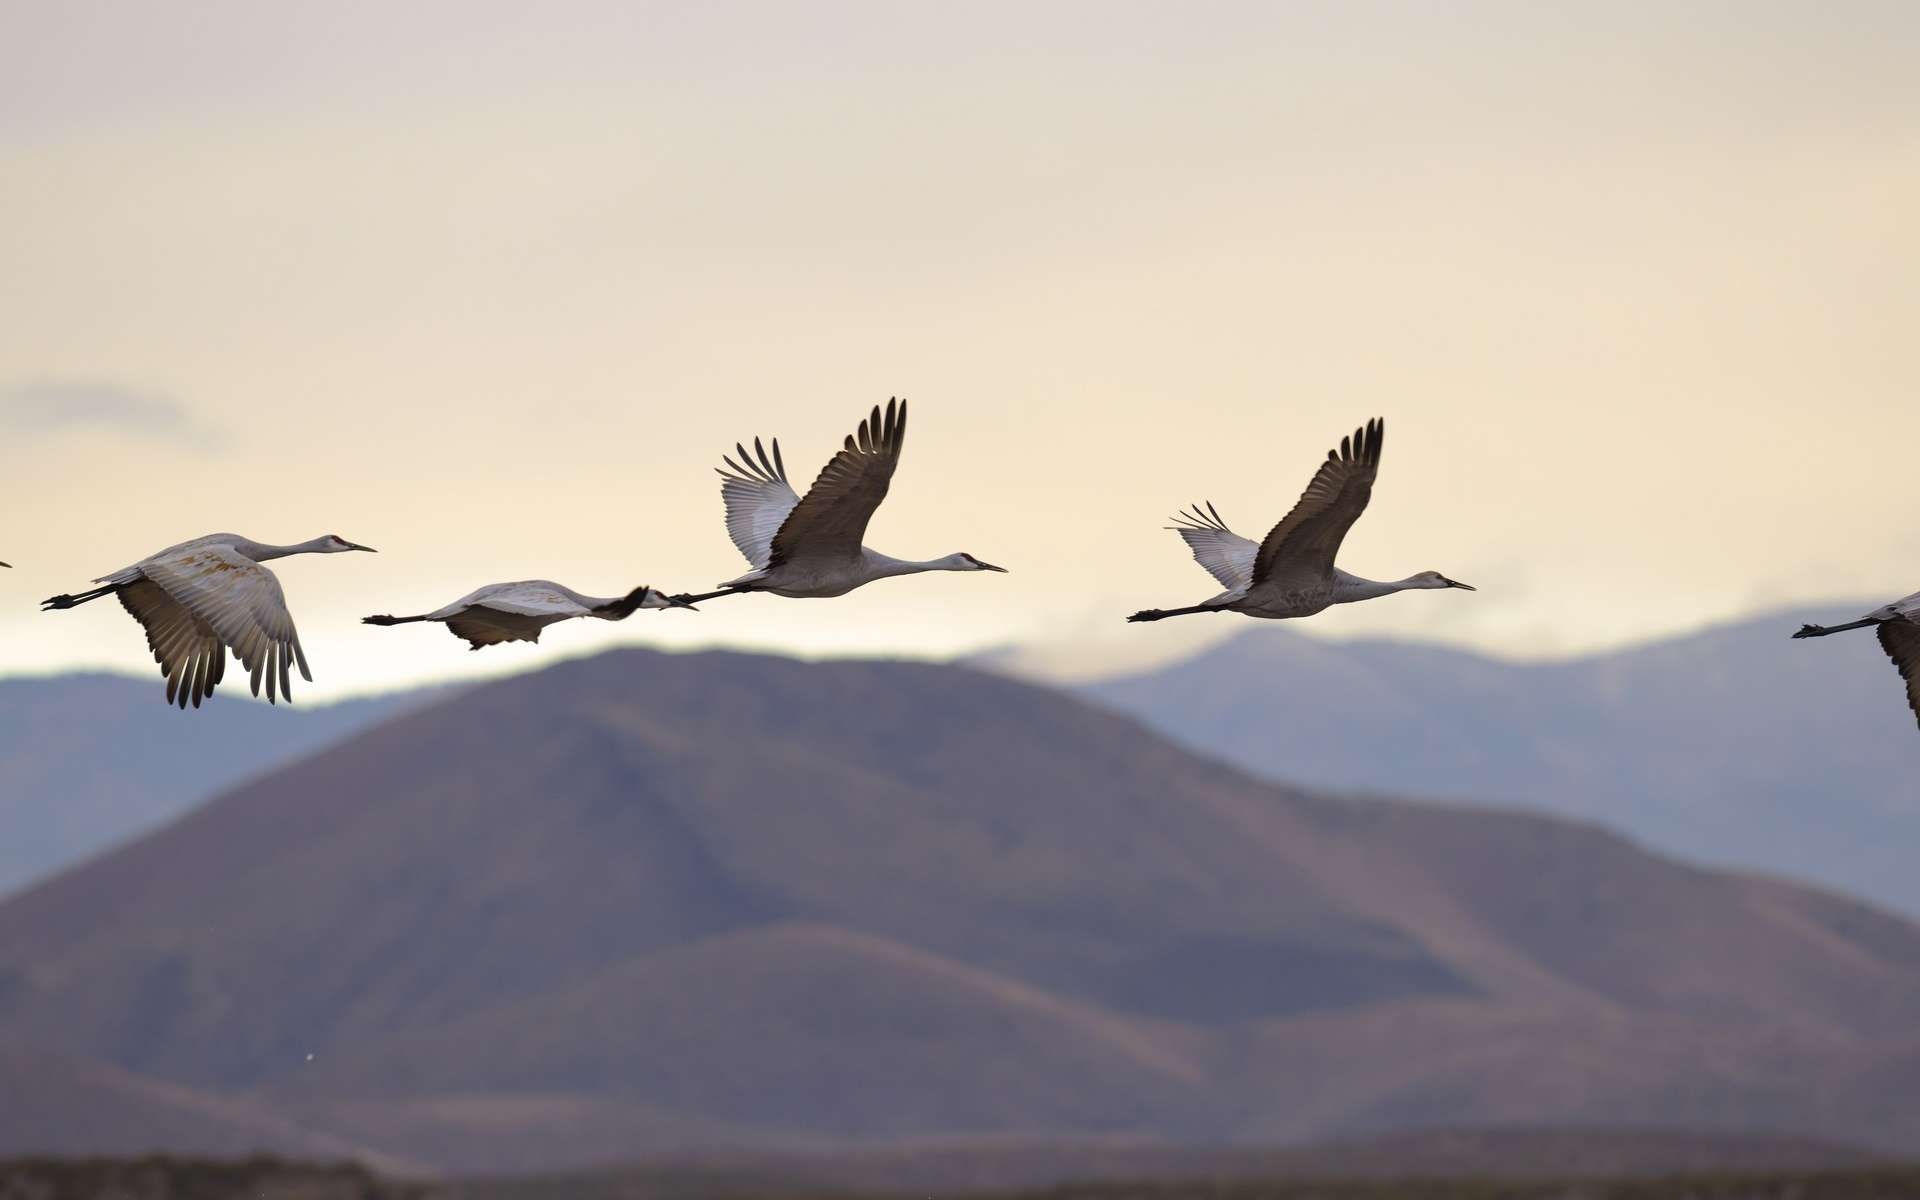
491,287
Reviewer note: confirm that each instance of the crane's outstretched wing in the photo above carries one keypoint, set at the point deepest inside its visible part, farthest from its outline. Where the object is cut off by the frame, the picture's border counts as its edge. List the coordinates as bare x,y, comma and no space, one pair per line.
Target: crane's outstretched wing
1901,641
484,625
190,654
1226,555
1307,539
241,602
531,598
832,519
509,612
758,499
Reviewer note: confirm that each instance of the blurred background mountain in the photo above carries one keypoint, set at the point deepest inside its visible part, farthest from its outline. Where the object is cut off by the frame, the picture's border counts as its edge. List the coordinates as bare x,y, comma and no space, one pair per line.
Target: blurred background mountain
1732,745
643,903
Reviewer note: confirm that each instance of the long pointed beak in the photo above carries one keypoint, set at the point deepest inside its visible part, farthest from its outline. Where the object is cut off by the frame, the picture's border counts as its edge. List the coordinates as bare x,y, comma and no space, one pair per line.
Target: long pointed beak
357,546
1465,587
677,602
987,566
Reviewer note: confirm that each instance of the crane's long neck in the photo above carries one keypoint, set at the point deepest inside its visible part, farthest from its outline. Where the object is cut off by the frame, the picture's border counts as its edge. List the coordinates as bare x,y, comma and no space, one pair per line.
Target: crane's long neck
883,565
262,552
1351,587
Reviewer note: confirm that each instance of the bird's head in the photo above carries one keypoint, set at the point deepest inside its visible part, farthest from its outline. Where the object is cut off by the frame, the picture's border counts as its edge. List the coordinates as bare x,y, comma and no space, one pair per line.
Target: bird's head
1434,579
655,598
967,562
333,543
639,598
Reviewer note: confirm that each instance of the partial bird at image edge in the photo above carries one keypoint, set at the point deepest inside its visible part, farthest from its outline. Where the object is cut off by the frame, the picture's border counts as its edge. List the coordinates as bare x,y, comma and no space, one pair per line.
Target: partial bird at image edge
1898,627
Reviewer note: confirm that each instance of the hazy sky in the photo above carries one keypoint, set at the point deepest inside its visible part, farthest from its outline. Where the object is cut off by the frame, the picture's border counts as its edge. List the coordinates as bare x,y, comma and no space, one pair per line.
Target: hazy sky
491,286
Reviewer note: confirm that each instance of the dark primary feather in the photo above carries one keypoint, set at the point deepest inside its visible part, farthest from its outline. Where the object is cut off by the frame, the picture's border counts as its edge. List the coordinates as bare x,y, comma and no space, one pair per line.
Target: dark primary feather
1308,537
1193,518
831,519
1901,641
763,471
191,656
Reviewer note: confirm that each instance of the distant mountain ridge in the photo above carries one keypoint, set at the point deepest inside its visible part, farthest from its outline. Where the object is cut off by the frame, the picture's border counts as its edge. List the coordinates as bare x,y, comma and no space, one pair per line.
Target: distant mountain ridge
641,903
1733,746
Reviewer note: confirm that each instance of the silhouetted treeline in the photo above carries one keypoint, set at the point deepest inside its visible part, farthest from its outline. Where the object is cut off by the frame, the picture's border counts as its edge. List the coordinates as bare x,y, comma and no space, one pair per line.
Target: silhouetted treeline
168,1178
1878,1184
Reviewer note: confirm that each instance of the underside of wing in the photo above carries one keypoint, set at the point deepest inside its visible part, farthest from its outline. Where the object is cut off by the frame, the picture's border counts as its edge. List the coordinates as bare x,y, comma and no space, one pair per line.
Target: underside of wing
190,653
831,520
1308,538
1901,641
242,603
1226,555
485,626
758,499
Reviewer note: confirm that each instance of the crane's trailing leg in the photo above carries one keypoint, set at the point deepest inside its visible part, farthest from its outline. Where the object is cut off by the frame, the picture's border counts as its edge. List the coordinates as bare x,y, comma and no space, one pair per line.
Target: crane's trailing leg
383,619
1807,631
687,600
68,601
1159,614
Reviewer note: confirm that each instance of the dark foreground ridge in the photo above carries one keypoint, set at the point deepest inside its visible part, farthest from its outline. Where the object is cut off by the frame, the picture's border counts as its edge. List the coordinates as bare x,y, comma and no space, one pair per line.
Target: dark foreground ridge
1095,1167
166,1178
1890,1184
162,1177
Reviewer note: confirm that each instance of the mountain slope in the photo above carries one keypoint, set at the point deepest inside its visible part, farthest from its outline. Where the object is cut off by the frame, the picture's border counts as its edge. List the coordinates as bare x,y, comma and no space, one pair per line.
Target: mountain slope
62,797
59,1104
1787,758
1734,746
538,829
643,902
